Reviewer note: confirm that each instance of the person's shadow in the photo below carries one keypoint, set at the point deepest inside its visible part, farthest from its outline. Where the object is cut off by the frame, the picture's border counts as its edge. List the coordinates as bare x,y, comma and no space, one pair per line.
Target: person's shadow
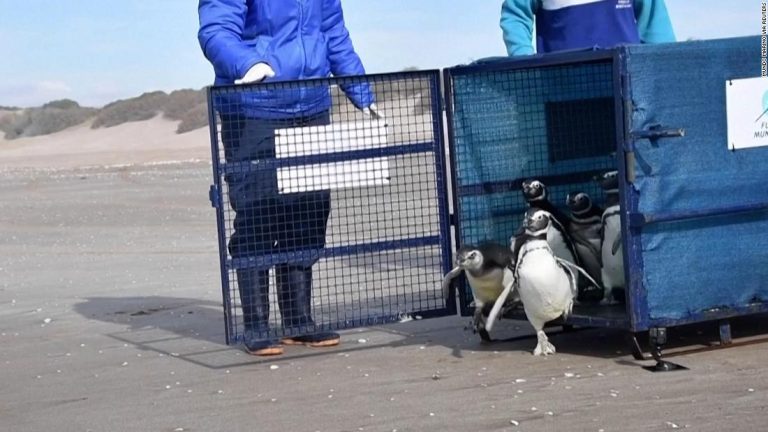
190,329
193,330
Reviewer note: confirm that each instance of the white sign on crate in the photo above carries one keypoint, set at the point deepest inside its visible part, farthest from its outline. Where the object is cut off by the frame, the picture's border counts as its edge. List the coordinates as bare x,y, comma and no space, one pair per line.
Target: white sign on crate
746,102
332,138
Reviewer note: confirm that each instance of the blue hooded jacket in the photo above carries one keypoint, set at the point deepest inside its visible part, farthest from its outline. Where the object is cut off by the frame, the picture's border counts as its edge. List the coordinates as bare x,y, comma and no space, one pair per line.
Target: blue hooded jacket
298,39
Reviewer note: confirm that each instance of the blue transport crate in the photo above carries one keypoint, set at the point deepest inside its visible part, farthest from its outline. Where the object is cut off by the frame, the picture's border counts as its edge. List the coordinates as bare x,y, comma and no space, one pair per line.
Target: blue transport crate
329,217
694,211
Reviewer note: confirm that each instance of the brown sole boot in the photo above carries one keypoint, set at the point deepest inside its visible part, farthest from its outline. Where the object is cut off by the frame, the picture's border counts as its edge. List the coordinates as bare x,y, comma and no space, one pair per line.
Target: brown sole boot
269,351
316,341
262,349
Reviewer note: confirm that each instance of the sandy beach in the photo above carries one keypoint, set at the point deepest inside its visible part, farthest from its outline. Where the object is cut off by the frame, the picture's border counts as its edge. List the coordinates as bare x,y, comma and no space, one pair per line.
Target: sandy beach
111,319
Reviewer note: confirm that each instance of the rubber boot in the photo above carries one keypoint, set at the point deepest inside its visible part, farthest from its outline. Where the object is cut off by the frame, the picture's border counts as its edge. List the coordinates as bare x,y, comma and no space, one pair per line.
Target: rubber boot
294,286
253,286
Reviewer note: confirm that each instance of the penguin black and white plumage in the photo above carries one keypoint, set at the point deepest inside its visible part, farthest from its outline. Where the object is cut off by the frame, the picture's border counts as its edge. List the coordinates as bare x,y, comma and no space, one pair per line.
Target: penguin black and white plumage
544,284
611,251
489,268
584,229
535,193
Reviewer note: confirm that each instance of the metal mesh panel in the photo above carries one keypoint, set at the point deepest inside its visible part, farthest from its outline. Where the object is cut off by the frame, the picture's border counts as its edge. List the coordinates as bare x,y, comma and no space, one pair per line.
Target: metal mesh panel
513,121
329,217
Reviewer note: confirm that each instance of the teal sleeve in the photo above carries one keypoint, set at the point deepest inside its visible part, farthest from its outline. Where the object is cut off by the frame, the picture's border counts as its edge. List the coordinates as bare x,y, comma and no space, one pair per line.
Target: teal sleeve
653,21
517,19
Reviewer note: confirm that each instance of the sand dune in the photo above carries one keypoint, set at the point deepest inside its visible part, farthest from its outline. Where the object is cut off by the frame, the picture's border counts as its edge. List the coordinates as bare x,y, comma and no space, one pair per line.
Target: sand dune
145,142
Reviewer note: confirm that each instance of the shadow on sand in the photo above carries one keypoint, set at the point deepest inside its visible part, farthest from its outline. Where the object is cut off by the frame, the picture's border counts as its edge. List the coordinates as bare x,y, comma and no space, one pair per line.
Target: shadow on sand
193,330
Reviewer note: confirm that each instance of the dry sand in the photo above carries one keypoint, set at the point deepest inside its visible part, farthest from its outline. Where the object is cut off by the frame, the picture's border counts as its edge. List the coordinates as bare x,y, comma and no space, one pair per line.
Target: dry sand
152,141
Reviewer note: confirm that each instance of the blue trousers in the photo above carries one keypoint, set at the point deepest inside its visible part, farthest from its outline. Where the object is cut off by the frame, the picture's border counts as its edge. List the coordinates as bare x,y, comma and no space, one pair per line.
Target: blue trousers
267,221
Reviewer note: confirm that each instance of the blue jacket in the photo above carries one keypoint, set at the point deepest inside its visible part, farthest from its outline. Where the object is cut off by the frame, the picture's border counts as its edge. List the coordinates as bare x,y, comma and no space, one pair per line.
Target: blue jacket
578,24
298,39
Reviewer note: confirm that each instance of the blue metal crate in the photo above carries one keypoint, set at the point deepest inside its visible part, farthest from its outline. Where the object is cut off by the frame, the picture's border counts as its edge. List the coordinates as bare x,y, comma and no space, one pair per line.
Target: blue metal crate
693,212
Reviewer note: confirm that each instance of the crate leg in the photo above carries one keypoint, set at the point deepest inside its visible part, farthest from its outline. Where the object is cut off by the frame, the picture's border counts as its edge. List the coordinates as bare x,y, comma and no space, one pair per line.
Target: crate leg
658,338
725,332
637,351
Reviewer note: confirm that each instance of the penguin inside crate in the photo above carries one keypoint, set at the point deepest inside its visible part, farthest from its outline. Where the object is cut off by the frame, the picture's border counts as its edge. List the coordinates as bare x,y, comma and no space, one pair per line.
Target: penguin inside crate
489,268
611,250
565,234
585,228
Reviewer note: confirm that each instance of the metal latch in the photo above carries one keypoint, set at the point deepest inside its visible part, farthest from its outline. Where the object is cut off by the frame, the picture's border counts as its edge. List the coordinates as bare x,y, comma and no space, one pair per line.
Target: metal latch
656,132
653,133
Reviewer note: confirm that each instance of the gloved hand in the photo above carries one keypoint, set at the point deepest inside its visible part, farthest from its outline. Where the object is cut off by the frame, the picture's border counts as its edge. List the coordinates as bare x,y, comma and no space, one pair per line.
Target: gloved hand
373,112
256,73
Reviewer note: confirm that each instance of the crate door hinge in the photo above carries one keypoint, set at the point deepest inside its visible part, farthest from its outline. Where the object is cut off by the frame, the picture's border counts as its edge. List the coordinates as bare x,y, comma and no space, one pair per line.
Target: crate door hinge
214,196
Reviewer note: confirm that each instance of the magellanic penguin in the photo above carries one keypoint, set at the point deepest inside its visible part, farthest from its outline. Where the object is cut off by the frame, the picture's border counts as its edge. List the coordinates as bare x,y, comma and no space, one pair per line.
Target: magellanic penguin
535,193
545,283
584,229
489,268
611,251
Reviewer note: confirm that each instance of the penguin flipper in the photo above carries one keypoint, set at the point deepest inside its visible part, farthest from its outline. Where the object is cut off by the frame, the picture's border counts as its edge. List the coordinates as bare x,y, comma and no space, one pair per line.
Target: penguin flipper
572,281
509,283
573,266
616,244
447,282
583,241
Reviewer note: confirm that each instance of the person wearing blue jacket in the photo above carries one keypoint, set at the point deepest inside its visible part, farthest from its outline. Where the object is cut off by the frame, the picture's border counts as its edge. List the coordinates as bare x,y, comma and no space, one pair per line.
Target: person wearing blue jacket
250,41
563,25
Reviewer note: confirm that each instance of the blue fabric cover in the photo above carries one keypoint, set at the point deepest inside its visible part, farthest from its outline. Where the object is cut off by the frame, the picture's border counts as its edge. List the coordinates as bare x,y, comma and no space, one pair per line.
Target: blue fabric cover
696,265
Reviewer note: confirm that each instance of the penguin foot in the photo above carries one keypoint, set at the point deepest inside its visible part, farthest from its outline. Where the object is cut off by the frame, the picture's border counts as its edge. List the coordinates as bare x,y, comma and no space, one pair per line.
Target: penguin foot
544,347
608,301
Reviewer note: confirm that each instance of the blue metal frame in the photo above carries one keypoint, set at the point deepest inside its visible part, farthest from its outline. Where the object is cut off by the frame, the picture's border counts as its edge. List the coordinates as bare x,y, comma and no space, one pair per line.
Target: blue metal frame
636,299
454,220
435,148
218,203
442,183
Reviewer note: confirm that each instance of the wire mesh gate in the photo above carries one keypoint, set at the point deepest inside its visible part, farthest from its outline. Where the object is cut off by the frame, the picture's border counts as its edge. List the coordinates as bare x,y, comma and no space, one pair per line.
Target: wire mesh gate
329,216
552,118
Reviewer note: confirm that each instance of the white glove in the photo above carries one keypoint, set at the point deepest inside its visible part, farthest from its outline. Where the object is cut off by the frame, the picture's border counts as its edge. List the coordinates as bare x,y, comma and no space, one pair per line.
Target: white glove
256,73
373,112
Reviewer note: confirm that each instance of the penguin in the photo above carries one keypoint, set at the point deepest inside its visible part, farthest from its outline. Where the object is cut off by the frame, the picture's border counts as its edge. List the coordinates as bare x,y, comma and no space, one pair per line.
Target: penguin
544,284
611,251
584,229
535,193
489,268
